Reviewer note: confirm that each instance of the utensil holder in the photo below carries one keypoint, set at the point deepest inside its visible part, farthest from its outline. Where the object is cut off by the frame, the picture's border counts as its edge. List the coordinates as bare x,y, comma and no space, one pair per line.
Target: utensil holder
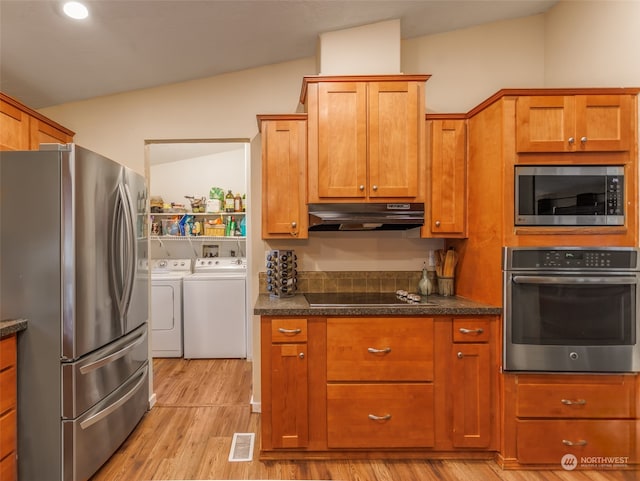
446,286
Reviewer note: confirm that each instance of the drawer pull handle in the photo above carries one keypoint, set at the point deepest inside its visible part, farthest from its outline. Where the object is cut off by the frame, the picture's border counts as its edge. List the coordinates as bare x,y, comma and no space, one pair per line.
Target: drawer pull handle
373,417
578,402
282,330
566,442
373,350
471,331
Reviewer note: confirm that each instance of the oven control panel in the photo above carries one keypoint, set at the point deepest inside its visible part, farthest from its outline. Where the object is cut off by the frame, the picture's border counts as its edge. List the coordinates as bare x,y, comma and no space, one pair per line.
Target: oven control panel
570,258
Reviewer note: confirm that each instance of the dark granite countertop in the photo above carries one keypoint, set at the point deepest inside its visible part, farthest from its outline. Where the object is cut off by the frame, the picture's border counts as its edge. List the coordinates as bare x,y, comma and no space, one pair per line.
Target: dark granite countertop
434,306
9,326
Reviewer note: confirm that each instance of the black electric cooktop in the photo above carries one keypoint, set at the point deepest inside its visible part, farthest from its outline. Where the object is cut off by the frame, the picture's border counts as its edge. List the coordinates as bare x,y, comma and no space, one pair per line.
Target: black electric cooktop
356,299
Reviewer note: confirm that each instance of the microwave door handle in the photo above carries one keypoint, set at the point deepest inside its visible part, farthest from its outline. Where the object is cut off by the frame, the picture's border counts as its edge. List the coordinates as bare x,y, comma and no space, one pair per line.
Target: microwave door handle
573,280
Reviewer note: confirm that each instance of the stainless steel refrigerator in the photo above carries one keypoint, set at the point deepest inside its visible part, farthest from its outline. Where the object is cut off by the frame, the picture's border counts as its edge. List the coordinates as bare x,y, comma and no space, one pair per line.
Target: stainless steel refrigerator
73,251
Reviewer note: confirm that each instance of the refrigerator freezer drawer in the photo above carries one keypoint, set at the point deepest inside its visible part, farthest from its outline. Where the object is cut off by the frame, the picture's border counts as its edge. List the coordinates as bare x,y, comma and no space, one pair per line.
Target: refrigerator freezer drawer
89,441
91,378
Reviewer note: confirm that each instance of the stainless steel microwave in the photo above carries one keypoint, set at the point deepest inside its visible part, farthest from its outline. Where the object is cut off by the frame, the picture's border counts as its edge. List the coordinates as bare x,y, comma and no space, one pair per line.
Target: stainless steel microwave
572,195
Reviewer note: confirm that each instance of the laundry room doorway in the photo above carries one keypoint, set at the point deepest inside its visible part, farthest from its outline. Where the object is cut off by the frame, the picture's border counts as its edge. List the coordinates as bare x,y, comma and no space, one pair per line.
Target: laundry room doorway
199,210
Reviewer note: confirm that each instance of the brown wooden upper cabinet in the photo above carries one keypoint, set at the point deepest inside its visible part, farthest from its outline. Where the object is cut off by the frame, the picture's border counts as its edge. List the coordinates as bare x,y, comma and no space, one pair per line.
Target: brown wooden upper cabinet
22,128
366,138
448,178
573,123
284,148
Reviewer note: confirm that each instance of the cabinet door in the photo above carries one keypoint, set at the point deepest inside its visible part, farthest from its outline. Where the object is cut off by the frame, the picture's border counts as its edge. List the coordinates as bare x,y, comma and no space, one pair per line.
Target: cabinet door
14,128
471,389
545,123
602,123
289,396
284,145
43,133
448,177
395,124
342,140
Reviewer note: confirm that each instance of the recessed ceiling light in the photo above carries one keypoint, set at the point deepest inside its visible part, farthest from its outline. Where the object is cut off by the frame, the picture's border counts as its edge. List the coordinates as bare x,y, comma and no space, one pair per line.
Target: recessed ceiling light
75,10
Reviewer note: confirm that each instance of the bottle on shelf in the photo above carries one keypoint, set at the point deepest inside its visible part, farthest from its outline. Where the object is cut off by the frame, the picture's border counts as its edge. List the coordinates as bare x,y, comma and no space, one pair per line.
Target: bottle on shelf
229,202
237,203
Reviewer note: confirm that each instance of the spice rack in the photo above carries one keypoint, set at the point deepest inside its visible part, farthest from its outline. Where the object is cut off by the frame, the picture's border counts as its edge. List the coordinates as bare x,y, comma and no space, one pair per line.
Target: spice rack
282,274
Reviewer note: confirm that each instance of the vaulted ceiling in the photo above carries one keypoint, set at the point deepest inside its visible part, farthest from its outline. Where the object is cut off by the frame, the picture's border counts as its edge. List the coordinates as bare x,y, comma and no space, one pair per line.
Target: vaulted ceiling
48,59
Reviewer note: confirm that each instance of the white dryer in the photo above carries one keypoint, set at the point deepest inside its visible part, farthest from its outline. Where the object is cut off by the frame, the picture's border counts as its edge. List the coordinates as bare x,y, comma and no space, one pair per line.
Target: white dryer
167,306
215,313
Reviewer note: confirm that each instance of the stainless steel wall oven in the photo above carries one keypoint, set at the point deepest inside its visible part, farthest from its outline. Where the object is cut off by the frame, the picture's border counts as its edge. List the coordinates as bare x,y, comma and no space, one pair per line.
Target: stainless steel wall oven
571,309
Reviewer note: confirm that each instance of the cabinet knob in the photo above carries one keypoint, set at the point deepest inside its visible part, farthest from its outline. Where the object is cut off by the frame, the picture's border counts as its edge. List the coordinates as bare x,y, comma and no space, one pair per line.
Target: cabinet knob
571,140
361,187
294,224
583,140
375,187
437,223
460,355
301,355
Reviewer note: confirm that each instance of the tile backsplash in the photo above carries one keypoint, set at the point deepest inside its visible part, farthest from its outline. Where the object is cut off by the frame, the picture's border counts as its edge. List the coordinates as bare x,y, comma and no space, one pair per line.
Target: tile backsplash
352,281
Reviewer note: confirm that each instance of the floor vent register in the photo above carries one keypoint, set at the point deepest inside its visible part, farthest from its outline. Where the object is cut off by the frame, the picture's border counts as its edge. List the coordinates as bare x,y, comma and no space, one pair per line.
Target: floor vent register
242,447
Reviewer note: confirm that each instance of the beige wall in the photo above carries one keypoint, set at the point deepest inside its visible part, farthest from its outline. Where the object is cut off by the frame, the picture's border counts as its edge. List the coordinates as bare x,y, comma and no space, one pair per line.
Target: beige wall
593,44
470,65
576,43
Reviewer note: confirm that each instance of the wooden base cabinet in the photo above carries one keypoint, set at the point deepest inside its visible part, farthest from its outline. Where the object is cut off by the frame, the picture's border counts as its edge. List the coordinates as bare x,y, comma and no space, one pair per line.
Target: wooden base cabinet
589,417
472,380
8,409
370,386
367,361
380,415
286,417
22,128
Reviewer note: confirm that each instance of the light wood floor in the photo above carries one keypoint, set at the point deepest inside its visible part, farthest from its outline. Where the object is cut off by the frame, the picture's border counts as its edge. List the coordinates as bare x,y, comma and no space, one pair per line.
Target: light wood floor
202,403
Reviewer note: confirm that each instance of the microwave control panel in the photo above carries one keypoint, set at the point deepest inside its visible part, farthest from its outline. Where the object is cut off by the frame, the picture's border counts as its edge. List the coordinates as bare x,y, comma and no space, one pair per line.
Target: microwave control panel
615,195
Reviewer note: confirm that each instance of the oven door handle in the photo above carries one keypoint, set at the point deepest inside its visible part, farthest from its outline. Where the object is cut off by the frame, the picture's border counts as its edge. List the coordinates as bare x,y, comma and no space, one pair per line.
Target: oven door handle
574,280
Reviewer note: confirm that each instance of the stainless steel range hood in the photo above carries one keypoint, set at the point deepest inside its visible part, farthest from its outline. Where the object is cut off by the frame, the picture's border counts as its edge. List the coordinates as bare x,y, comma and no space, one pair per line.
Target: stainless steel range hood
365,216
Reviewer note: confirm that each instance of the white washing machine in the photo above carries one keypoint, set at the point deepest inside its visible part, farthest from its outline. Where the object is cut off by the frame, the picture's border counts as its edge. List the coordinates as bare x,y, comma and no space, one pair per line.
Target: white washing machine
215,313
167,306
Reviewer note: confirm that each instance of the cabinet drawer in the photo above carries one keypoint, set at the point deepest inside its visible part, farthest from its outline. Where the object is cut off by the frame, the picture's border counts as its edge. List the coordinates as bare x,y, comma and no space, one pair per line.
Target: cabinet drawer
8,389
546,442
380,415
471,330
379,349
288,330
8,433
613,399
7,352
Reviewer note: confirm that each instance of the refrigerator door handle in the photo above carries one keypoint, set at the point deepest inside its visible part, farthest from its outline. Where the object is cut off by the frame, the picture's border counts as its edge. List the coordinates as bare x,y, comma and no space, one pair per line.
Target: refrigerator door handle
116,263
129,247
110,357
123,252
100,415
